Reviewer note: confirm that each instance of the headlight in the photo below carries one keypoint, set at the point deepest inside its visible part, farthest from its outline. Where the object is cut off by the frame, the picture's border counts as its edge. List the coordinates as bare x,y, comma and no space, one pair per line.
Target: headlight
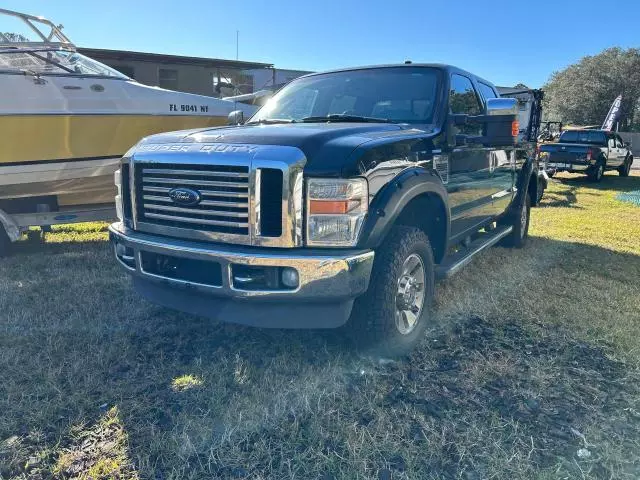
336,209
117,179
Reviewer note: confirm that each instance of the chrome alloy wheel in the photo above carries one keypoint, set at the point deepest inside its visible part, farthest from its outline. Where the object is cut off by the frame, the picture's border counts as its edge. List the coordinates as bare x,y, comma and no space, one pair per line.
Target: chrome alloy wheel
410,294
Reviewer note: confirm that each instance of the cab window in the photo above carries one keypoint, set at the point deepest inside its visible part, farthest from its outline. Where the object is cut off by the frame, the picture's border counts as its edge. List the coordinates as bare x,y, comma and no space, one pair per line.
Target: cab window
486,91
464,100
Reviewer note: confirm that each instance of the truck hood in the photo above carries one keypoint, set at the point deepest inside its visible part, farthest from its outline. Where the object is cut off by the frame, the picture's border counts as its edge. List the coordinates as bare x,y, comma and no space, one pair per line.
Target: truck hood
327,146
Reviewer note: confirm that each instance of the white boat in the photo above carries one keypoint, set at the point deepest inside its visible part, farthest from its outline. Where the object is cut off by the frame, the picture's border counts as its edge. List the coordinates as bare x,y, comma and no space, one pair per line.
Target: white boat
66,119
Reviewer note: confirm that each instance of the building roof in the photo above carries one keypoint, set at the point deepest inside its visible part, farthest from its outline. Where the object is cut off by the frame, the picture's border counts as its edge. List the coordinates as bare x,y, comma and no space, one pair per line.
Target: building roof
102,54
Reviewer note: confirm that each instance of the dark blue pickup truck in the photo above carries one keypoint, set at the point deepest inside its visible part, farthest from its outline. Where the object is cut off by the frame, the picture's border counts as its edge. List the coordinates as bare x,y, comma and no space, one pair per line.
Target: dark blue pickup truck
587,151
338,203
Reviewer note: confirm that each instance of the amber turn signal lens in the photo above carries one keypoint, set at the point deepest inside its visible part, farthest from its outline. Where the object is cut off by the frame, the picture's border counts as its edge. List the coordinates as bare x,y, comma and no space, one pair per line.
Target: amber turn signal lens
515,128
330,207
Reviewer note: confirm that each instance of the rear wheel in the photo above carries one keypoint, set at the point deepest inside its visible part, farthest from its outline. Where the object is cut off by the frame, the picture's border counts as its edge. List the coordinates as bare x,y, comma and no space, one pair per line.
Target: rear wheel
392,316
596,174
625,168
520,223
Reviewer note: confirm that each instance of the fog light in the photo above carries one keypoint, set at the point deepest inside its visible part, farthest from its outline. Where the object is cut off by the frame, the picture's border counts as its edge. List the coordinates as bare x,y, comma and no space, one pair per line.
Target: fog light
290,277
121,250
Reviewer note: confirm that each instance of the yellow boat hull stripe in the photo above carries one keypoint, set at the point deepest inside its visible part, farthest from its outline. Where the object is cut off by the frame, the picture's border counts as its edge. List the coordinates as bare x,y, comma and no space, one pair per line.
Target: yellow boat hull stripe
31,138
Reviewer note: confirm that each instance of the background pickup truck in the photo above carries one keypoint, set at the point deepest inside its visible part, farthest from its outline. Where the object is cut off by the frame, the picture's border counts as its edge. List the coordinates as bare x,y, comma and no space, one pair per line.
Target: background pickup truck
587,151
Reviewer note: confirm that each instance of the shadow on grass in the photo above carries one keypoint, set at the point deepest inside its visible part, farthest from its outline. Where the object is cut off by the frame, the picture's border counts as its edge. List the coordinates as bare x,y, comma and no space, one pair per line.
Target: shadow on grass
564,196
610,182
477,393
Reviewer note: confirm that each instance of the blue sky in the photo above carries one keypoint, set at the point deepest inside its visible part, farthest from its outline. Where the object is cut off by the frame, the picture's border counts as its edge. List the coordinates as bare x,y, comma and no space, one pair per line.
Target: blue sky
506,42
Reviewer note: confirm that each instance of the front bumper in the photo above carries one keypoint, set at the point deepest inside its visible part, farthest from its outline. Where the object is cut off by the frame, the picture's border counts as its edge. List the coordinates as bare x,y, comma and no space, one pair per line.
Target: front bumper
328,281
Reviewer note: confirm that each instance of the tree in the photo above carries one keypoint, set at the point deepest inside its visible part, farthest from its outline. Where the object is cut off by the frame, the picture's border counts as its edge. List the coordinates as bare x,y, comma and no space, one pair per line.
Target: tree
14,37
583,93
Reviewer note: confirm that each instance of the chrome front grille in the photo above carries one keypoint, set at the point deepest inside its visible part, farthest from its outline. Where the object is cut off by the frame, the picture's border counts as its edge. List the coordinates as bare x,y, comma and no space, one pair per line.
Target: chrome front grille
246,194
223,189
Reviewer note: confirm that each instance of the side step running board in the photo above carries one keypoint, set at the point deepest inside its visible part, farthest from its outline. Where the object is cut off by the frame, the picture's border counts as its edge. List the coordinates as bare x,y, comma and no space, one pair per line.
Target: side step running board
453,263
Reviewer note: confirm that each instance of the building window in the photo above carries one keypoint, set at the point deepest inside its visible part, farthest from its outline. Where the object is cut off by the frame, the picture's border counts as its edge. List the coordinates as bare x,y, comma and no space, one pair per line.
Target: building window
126,70
168,78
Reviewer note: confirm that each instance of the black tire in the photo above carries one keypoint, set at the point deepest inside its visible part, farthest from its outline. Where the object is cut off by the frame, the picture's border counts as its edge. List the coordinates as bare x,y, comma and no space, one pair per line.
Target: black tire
5,242
376,314
540,191
596,173
520,223
625,169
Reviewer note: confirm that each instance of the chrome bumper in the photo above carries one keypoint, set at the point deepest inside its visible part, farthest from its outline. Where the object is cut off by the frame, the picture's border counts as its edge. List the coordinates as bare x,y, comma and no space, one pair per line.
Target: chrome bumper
323,276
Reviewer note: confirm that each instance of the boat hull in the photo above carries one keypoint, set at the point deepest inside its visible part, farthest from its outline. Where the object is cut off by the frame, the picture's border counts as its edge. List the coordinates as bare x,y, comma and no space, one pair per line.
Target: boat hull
28,139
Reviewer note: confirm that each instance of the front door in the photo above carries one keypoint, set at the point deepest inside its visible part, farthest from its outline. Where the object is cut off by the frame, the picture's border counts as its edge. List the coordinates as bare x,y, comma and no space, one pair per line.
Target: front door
479,177
622,152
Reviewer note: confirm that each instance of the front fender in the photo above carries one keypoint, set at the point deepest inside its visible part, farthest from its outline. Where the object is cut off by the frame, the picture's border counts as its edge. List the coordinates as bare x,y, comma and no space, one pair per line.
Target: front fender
391,200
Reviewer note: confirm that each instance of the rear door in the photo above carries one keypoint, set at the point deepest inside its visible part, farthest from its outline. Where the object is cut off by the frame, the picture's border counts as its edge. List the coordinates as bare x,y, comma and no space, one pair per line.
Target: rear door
612,158
622,152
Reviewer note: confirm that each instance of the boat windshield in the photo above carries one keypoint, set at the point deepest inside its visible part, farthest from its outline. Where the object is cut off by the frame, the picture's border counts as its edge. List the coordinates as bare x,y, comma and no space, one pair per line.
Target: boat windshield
390,94
47,61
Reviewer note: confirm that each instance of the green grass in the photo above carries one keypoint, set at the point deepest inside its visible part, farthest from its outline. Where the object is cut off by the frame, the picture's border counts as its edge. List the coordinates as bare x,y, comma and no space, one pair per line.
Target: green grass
533,355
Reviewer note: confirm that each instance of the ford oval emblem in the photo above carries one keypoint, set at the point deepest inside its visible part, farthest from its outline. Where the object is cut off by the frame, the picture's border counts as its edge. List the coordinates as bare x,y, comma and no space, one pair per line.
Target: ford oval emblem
184,196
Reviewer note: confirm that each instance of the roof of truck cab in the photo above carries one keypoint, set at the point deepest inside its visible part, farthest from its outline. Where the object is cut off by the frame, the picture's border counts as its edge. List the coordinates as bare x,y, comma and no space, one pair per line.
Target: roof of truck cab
440,66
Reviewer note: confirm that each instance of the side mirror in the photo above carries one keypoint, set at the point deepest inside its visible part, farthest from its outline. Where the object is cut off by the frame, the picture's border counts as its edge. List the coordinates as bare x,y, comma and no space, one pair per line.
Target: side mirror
501,120
235,118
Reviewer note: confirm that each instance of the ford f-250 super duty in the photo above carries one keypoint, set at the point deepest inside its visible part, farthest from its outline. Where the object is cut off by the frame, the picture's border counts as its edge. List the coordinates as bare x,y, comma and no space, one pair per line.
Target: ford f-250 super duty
340,202
587,151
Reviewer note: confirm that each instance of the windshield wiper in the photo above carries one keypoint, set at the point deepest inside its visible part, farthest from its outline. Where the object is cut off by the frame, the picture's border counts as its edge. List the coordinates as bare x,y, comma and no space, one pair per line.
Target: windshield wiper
336,117
270,121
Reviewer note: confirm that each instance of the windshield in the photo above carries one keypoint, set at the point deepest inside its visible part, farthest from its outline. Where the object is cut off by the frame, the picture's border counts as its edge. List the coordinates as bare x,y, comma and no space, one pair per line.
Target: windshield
583,136
398,94
54,62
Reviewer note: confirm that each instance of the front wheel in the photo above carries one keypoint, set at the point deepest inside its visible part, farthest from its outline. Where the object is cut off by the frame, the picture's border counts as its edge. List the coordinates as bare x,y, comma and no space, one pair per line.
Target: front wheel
625,169
392,316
